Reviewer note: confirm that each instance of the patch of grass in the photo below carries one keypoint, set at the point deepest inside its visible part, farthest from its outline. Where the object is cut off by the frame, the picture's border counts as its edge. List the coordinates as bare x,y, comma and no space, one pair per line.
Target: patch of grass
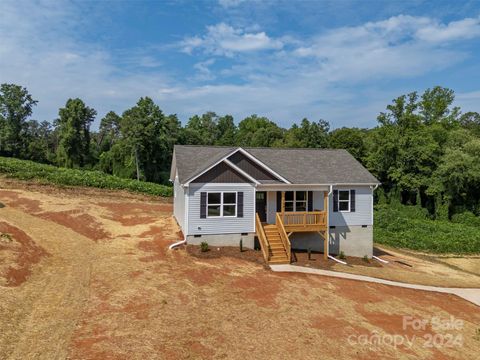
341,256
204,246
408,227
29,170
5,236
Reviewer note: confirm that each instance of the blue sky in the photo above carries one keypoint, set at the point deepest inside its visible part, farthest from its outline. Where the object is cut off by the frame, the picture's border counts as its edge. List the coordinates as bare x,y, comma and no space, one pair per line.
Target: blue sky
342,61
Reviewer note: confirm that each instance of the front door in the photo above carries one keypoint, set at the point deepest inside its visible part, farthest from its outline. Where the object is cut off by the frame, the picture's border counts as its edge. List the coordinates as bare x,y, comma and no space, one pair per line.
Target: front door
261,205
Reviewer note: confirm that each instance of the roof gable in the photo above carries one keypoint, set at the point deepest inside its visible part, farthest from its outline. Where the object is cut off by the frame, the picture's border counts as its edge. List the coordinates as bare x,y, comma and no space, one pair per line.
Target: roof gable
221,173
252,168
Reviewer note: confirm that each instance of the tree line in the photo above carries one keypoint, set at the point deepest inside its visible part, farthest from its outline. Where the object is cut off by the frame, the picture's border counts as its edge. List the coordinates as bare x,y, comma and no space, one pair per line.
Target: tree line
424,150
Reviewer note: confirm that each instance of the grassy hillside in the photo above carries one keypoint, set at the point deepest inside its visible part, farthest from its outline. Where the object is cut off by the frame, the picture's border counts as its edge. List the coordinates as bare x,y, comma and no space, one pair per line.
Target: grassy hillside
410,227
29,170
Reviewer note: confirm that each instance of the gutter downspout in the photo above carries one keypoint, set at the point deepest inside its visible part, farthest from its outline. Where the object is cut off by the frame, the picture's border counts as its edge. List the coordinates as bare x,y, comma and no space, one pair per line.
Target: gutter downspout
327,233
178,243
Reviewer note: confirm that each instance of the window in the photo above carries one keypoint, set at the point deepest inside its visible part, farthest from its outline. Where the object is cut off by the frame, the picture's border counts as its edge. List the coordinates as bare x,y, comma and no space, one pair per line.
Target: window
296,200
300,201
229,204
222,204
344,200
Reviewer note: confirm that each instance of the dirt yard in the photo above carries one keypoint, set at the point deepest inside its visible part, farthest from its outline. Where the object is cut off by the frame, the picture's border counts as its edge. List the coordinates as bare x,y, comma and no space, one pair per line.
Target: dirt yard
404,266
86,274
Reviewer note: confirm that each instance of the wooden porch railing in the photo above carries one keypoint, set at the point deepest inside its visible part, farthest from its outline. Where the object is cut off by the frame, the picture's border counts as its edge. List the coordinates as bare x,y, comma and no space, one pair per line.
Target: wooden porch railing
284,236
262,238
304,220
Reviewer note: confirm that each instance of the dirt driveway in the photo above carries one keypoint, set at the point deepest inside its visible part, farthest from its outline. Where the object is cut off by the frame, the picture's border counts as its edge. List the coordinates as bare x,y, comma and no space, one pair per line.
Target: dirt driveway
85,274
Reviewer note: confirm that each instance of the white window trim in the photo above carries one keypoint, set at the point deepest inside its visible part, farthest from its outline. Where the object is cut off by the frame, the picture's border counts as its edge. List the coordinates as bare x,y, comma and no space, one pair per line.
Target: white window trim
295,200
221,216
349,201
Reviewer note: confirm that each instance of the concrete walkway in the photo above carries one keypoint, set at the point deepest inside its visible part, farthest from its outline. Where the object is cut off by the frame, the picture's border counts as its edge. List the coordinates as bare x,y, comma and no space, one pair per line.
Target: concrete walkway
469,294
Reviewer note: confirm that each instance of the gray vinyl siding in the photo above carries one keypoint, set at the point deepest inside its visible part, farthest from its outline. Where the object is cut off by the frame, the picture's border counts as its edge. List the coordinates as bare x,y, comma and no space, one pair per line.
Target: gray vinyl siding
179,204
363,208
198,226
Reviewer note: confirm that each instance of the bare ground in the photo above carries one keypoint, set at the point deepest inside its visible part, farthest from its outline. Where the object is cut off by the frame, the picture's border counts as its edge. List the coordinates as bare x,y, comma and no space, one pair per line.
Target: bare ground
405,266
105,287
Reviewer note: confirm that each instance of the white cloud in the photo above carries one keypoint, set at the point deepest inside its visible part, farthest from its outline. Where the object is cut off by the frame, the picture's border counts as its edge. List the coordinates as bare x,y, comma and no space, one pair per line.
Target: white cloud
468,101
204,72
222,39
456,30
316,77
401,46
39,50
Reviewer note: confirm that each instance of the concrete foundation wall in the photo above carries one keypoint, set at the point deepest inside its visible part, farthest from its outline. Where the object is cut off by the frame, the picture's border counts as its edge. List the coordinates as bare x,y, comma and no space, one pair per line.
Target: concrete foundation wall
352,240
223,240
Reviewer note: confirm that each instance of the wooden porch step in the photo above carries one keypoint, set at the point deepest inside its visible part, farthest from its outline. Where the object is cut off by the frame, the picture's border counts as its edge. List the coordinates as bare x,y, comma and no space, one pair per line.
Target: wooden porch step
281,261
277,252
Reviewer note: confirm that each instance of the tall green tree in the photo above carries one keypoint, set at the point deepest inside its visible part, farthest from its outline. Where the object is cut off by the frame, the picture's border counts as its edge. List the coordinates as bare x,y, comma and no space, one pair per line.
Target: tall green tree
39,140
74,133
16,105
406,148
150,136
201,130
109,131
471,121
351,139
226,131
258,131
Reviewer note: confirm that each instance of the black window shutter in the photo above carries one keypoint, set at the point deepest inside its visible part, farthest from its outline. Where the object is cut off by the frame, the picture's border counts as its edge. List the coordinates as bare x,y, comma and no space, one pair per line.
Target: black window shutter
279,201
335,200
352,200
203,205
240,204
310,201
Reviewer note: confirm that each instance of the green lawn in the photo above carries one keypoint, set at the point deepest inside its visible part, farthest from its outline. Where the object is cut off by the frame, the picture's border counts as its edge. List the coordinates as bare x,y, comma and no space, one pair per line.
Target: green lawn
409,227
29,170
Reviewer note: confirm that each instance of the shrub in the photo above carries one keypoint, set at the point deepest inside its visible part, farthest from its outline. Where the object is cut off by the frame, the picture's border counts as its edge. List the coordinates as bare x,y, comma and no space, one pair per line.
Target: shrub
402,228
342,255
366,259
204,246
466,218
29,170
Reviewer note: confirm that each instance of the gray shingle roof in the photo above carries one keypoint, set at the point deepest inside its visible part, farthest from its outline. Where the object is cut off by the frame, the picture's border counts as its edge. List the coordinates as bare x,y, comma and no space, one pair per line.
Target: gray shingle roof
299,166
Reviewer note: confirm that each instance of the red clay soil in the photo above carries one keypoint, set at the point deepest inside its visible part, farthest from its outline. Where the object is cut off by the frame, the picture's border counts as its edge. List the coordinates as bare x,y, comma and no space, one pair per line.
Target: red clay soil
131,214
27,254
156,246
14,200
203,276
261,288
83,224
335,327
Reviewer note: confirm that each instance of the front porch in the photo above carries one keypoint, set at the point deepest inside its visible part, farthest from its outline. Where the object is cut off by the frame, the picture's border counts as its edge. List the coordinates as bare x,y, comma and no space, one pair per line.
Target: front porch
274,232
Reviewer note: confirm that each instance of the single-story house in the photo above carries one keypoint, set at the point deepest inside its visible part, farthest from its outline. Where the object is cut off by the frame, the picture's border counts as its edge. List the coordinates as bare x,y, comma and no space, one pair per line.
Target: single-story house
285,198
